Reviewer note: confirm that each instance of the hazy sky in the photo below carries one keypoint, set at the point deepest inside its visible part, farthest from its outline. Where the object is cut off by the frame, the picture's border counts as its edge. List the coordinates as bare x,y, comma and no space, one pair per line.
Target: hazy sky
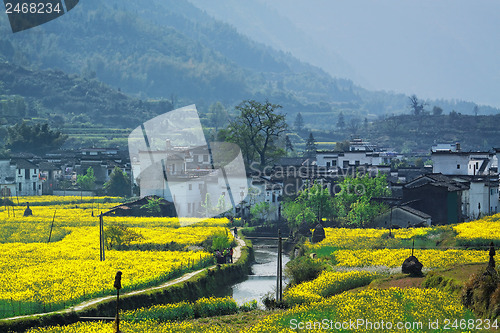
432,48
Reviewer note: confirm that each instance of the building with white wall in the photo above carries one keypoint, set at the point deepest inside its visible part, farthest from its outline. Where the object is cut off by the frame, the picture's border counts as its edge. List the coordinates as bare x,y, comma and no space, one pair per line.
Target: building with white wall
462,163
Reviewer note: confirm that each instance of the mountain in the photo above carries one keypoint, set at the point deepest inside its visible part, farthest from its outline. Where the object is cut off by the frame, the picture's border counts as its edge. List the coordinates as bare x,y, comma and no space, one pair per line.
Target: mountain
70,102
172,52
435,49
267,23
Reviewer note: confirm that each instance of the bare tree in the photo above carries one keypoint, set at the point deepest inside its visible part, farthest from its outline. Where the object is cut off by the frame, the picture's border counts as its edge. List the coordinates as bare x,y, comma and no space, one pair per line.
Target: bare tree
416,106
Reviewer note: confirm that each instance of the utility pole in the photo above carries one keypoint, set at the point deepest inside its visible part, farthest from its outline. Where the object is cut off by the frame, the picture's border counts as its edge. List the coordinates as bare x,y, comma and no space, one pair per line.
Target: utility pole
101,238
279,276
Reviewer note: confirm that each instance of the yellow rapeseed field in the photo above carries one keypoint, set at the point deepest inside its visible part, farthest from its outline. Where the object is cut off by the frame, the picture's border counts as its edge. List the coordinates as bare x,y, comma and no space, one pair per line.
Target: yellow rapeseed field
430,258
486,228
54,199
367,310
364,238
327,284
148,326
183,236
68,268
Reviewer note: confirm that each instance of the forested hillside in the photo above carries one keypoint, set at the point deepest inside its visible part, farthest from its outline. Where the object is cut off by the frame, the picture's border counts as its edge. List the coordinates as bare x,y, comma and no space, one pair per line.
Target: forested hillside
412,133
59,98
119,63
170,49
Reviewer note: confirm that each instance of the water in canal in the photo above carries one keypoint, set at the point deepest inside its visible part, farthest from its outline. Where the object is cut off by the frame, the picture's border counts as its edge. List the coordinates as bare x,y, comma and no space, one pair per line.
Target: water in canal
263,277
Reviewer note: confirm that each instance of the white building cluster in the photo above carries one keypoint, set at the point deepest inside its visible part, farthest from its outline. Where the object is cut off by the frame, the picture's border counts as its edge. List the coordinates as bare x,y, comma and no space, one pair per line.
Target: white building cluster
478,170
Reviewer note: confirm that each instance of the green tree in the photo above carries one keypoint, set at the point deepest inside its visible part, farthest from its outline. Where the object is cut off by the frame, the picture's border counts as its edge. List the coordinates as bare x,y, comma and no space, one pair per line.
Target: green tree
310,151
37,138
342,146
475,110
288,145
419,162
219,240
262,211
218,115
299,122
258,128
118,183
354,124
353,203
341,121
437,111
310,206
153,206
87,181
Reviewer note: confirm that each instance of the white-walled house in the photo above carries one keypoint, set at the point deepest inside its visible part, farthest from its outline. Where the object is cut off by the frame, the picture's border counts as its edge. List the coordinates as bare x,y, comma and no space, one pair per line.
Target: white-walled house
481,198
334,160
19,177
187,177
480,171
462,163
265,190
7,178
328,159
27,178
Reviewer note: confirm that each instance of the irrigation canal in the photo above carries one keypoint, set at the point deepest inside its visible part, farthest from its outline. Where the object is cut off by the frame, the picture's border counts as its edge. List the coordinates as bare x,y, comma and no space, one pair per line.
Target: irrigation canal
263,277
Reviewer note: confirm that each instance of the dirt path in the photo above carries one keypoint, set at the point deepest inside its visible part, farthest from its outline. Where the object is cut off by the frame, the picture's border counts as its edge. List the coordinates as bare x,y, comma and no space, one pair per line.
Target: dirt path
89,303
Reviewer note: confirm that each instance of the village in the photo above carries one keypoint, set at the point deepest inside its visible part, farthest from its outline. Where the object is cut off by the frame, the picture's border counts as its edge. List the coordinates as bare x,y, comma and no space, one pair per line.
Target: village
453,186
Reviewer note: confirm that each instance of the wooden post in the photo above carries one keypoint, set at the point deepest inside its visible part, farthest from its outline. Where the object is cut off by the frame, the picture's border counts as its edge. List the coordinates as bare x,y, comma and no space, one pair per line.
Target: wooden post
118,286
52,225
390,225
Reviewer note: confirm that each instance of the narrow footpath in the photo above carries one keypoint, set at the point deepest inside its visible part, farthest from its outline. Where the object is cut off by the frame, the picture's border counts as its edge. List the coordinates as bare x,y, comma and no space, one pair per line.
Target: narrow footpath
89,303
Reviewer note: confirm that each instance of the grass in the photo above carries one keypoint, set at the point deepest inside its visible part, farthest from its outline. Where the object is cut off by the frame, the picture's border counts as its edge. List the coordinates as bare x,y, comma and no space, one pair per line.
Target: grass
239,322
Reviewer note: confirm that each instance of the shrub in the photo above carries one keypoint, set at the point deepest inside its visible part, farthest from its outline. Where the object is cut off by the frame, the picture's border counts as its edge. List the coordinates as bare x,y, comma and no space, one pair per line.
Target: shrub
208,307
481,293
219,240
249,306
118,235
166,312
303,269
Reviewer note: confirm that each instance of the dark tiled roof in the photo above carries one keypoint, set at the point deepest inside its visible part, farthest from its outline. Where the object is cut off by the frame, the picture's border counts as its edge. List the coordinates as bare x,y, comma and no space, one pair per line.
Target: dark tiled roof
296,161
415,212
438,180
25,164
47,166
